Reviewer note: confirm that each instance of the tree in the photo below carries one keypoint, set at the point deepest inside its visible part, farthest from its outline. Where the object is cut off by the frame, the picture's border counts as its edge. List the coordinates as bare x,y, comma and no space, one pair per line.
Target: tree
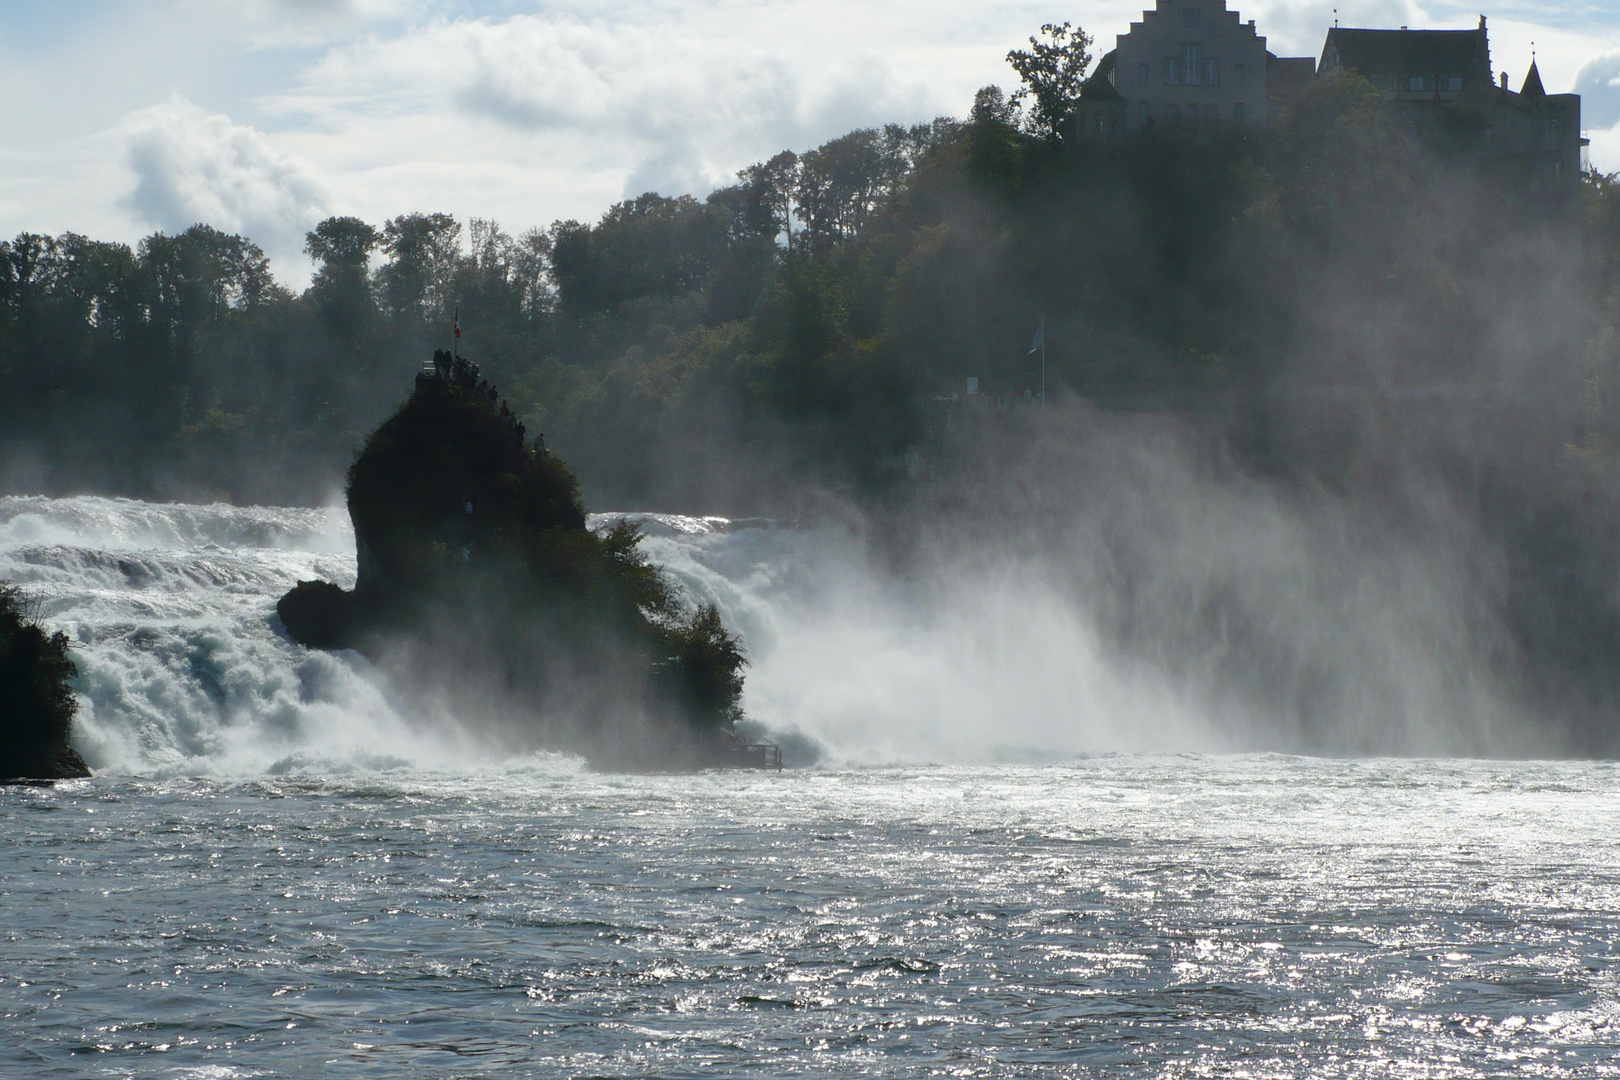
531,272
844,181
1053,72
994,144
203,273
341,289
423,250
341,245
771,185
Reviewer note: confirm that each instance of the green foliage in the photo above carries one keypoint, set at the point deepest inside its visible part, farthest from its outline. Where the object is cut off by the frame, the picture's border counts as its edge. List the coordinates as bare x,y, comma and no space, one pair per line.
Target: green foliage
703,671
841,185
995,148
36,698
423,250
475,545
447,447
1053,71
341,287
1600,207
202,274
644,247
690,353
341,243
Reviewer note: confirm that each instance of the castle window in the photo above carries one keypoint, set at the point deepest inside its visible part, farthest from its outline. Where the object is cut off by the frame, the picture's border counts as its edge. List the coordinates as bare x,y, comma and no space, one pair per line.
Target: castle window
1189,17
1549,135
1172,114
1212,73
1416,83
1237,114
1212,116
1172,71
1141,114
1191,115
1192,64
1454,83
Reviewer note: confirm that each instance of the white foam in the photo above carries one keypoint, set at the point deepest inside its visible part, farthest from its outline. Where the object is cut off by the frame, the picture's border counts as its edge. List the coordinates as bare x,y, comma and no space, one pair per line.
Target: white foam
183,664
185,668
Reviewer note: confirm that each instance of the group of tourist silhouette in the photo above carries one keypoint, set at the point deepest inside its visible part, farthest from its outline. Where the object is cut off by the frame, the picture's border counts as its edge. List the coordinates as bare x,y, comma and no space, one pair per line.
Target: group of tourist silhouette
464,373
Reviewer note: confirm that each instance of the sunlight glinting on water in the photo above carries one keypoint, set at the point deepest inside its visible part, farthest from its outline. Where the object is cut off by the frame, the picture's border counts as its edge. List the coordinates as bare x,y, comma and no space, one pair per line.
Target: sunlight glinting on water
284,870
1128,916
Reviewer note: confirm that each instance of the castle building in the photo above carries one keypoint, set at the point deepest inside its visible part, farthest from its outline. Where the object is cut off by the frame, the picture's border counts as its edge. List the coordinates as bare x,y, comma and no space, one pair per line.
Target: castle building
1193,66
1188,65
1439,83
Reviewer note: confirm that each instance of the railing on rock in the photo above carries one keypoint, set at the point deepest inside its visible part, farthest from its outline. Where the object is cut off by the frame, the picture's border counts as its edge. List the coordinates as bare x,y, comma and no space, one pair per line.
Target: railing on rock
760,755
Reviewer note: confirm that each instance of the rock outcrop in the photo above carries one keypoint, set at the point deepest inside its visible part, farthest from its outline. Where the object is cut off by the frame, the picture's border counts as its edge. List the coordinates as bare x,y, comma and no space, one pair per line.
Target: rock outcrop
480,583
36,701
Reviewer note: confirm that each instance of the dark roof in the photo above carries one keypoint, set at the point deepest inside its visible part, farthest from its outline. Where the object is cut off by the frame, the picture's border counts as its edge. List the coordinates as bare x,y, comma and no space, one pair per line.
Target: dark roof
1532,83
1283,72
1099,87
1399,52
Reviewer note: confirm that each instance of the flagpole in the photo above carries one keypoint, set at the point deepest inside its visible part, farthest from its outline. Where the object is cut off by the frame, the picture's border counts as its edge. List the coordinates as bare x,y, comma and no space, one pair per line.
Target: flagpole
1040,343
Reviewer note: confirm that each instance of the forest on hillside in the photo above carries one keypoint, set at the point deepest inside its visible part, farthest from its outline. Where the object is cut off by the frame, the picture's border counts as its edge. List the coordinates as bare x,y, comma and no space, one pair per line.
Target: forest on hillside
807,326
1332,413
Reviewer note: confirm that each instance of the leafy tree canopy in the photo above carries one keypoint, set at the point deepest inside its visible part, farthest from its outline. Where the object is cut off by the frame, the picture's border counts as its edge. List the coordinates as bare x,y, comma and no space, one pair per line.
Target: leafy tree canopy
1053,71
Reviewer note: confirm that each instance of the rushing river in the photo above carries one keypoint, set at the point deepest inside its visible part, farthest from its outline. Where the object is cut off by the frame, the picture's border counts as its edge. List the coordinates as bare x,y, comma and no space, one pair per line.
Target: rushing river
283,871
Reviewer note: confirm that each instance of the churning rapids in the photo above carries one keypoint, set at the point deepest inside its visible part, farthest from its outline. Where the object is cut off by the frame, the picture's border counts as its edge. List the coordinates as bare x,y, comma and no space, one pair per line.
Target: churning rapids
281,870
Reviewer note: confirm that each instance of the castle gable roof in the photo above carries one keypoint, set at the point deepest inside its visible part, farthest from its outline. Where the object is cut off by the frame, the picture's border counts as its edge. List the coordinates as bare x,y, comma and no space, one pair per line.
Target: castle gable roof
1377,53
1532,83
1099,86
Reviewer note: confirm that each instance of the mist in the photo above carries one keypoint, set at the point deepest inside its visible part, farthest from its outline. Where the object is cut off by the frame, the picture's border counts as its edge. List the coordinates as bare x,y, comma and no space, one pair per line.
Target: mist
1325,462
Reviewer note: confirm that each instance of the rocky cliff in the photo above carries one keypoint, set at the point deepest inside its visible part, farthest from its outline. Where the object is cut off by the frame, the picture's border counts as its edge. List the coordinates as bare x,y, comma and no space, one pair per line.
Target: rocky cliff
481,587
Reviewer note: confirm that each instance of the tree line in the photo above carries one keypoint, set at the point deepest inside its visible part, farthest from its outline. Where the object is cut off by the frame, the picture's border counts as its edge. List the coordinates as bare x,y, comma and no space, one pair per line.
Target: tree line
811,323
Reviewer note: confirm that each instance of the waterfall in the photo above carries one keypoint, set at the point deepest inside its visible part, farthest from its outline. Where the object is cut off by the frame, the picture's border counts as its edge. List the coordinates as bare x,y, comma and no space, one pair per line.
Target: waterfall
184,668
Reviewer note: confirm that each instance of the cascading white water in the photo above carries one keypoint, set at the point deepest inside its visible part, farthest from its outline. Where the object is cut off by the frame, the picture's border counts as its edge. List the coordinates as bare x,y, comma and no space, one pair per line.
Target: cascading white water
875,667
184,667
1203,913
171,611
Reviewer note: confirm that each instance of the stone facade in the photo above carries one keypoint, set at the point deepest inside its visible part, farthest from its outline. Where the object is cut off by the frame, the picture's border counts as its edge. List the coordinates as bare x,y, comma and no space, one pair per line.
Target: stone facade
1439,83
1192,65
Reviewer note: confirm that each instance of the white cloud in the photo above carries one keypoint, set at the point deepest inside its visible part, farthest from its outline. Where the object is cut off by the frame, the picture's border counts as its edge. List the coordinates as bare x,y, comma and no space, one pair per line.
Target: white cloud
531,110
1605,150
304,23
1599,86
192,166
675,108
1295,28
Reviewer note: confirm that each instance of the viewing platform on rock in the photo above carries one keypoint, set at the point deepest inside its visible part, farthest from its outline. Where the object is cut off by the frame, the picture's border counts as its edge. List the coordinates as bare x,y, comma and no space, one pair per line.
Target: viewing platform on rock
751,754
462,373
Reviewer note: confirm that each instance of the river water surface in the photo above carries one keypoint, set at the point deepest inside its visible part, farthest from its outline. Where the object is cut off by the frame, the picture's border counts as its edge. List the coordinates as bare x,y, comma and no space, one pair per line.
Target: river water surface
1131,916
281,870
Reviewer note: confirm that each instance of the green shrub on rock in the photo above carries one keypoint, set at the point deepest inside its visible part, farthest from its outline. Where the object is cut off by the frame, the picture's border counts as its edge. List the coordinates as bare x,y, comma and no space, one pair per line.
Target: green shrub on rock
36,700
479,580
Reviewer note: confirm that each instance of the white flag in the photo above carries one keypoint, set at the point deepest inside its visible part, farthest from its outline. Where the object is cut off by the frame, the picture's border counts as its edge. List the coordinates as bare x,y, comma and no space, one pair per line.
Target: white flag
1040,337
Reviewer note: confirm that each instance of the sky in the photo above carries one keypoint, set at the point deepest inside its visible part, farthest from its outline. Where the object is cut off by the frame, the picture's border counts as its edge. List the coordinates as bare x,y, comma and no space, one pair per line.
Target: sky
265,116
